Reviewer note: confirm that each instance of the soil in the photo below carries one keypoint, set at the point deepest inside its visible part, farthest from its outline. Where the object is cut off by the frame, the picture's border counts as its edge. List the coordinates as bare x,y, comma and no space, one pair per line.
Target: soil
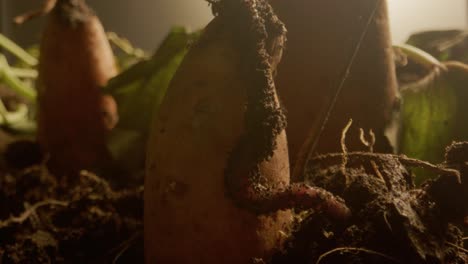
46,218
51,219
392,222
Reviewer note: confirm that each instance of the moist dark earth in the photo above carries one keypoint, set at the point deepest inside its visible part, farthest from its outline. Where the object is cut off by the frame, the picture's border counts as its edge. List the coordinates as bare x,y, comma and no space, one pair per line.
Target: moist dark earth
66,219
392,222
86,218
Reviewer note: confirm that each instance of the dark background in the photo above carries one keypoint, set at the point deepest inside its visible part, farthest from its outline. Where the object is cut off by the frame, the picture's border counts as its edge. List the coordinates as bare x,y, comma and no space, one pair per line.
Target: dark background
144,22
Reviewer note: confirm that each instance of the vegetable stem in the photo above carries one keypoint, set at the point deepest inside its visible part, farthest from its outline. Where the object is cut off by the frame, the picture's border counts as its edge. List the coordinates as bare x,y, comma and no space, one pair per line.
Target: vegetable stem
125,45
13,82
3,113
24,73
420,56
17,51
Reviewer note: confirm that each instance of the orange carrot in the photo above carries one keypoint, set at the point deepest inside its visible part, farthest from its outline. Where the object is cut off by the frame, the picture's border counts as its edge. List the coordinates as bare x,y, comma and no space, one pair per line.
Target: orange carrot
76,60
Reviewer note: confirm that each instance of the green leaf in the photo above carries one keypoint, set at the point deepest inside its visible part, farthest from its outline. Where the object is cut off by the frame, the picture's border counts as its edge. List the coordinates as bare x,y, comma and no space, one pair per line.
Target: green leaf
434,114
8,76
140,90
428,120
17,51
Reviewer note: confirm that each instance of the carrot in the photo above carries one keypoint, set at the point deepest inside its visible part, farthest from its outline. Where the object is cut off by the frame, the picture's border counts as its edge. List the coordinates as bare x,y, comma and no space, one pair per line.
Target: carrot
217,183
322,39
76,60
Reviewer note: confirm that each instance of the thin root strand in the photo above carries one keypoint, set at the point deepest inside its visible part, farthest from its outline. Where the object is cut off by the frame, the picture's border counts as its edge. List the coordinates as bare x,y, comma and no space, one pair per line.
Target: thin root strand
368,143
354,250
457,247
298,196
429,166
29,212
344,149
47,6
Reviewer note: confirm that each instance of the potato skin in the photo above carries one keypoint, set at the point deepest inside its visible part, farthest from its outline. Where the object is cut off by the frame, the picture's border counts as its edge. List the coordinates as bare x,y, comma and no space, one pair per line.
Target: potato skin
76,61
188,217
313,63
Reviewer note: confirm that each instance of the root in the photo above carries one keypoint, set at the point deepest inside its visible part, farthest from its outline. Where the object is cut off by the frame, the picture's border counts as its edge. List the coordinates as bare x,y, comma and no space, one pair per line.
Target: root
123,247
47,6
344,149
378,173
457,247
29,212
385,216
430,167
106,190
370,144
99,181
409,162
355,250
298,196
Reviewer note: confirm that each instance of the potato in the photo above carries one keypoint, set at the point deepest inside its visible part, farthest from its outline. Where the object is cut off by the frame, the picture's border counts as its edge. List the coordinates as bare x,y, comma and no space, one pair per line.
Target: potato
188,217
217,183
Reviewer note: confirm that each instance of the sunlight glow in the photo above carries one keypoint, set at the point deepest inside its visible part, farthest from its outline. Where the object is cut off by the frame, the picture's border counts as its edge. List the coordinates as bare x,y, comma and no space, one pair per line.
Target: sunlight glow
408,16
